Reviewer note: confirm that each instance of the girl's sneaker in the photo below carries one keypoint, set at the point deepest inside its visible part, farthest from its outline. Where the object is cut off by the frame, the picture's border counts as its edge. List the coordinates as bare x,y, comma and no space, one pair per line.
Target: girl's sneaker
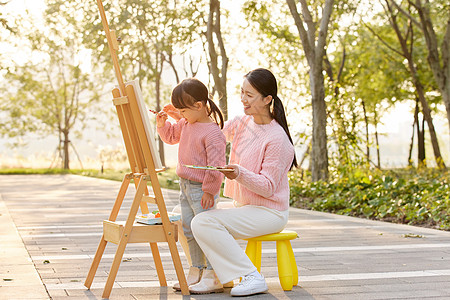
208,284
193,277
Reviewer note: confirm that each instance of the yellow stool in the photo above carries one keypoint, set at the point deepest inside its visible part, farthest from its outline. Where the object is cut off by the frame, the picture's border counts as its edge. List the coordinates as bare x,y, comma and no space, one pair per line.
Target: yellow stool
287,267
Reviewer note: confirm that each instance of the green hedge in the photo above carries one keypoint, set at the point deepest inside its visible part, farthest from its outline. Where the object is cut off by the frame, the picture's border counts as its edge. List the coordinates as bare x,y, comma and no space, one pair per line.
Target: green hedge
405,196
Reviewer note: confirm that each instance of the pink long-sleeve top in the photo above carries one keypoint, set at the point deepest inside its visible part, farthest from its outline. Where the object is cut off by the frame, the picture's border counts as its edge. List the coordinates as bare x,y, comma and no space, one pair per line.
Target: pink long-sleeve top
264,155
200,144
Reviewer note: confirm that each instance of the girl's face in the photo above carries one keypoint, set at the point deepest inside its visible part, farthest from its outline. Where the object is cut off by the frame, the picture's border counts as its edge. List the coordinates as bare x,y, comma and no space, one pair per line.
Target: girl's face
254,103
193,114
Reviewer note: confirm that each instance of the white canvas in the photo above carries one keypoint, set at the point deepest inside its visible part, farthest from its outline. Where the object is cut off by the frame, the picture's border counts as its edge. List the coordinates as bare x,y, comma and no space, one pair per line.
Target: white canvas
148,127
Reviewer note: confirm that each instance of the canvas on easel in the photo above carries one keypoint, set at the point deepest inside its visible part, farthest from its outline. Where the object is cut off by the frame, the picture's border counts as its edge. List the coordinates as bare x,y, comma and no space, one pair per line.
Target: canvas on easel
144,163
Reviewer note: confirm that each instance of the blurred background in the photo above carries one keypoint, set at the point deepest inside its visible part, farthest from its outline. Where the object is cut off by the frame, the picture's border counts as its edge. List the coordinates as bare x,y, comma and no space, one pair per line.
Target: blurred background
381,89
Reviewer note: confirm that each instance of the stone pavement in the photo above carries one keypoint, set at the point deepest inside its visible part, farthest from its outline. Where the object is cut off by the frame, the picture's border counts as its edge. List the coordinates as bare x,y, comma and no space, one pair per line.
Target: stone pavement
50,226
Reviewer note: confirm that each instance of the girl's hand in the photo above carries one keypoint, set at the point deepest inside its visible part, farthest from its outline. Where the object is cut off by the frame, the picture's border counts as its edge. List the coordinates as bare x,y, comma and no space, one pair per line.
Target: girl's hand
161,118
230,174
172,112
207,200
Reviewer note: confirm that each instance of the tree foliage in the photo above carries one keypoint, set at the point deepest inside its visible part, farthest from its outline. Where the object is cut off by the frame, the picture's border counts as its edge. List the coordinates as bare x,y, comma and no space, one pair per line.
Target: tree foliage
50,93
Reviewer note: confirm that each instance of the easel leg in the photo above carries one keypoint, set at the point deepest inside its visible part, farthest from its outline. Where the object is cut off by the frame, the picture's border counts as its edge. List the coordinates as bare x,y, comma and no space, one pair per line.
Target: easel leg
114,268
98,256
102,245
183,242
158,264
178,266
124,238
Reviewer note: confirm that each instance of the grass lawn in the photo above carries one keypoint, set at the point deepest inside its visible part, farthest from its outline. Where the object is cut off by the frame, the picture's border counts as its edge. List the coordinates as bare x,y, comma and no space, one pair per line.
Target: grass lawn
167,179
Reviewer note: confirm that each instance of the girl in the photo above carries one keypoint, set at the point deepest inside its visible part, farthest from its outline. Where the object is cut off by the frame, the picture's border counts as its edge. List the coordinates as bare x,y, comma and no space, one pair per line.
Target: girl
201,143
261,155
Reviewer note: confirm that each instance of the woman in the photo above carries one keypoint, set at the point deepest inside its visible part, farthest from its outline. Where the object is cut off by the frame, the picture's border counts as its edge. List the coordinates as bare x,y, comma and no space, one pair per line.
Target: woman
261,155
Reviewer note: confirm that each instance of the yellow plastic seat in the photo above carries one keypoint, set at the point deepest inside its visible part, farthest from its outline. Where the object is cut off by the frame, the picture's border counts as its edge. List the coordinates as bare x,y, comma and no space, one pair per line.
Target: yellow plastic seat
287,267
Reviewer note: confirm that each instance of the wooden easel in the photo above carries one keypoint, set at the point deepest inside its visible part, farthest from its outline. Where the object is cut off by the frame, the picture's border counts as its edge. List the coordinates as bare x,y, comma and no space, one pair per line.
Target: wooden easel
142,163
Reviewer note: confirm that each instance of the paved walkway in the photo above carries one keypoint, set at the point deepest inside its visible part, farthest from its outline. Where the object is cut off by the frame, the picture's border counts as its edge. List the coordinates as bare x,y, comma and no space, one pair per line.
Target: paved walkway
50,227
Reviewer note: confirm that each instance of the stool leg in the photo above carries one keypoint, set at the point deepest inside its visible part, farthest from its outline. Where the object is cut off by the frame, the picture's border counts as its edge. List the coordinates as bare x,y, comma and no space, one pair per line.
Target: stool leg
294,267
258,253
284,265
250,250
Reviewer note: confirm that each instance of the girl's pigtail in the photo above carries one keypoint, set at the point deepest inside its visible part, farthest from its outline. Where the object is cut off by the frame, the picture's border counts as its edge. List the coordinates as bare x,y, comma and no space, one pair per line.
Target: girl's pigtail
216,113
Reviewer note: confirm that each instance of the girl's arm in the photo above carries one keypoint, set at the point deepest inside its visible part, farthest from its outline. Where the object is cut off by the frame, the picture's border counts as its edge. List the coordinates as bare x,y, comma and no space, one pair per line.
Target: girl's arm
215,146
169,133
207,200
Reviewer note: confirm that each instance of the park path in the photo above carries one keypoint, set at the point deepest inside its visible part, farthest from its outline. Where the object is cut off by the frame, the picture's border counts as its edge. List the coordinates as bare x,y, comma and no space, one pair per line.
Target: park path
50,226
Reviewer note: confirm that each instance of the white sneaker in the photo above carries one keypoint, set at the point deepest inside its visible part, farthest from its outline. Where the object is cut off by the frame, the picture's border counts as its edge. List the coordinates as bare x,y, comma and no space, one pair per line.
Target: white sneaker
193,277
208,284
250,285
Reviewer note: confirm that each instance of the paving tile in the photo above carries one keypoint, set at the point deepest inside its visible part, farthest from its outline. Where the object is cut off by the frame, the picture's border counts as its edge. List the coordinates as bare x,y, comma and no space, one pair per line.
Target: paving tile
338,257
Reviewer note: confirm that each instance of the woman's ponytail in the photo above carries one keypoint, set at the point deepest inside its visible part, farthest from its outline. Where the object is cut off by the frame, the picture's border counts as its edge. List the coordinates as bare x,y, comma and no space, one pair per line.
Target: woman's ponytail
279,115
216,113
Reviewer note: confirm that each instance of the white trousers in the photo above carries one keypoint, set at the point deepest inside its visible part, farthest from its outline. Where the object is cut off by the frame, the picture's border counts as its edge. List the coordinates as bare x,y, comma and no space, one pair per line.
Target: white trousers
216,232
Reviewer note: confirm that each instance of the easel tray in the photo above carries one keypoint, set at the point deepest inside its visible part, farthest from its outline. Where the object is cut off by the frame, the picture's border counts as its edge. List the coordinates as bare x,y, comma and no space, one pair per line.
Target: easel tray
151,220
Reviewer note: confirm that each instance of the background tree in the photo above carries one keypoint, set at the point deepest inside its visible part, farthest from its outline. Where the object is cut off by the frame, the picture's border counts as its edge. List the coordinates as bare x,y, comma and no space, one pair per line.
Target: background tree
370,84
277,49
407,47
433,18
348,115
150,34
3,21
49,96
314,40
218,59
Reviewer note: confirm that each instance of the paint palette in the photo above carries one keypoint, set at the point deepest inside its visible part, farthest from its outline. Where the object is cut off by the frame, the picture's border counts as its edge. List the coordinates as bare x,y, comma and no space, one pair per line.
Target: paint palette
209,168
150,219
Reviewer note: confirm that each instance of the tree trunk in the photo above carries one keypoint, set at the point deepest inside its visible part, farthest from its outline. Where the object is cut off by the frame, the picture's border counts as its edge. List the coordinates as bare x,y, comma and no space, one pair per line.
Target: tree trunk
66,142
341,132
411,145
172,65
440,64
219,75
366,122
427,116
421,158
315,52
407,54
319,153
375,117
441,70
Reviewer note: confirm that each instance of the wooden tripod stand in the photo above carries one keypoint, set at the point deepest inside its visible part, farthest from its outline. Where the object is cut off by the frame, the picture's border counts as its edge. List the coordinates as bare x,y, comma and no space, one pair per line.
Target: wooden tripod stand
145,164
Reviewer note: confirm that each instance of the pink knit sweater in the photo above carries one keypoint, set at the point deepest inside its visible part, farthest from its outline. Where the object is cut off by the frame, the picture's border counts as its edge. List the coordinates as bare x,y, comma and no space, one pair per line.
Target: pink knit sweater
200,144
264,155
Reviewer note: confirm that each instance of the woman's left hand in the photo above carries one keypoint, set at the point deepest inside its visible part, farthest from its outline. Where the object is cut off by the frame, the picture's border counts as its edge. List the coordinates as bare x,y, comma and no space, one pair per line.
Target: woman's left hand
230,174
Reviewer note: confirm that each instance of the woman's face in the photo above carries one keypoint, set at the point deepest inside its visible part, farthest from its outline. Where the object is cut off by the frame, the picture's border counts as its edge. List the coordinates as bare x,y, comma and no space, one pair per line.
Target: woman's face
254,103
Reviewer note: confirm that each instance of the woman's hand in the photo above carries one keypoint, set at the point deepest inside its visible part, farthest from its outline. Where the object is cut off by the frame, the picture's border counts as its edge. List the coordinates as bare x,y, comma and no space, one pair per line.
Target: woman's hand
230,174
207,200
161,118
172,112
